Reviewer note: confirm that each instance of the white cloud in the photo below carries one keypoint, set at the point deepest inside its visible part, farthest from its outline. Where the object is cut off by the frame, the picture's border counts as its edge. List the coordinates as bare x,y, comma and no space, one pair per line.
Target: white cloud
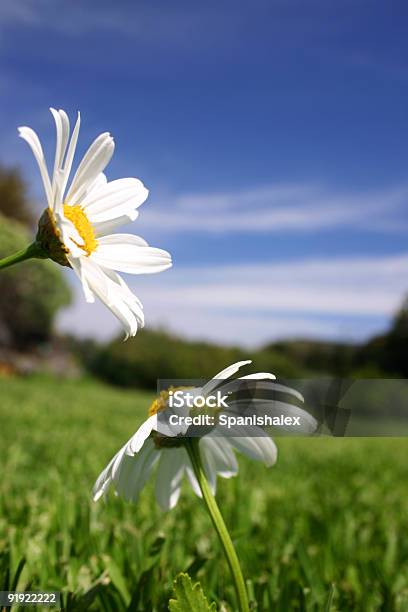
351,287
94,321
281,207
252,304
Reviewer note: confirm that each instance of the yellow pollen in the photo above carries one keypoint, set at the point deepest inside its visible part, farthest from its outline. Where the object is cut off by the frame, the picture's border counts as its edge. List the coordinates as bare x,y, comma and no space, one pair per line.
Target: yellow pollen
77,216
161,402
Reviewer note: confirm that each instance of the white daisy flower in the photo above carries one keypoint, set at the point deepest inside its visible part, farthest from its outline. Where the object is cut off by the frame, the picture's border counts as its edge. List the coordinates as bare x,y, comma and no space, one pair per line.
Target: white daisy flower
76,228
158,443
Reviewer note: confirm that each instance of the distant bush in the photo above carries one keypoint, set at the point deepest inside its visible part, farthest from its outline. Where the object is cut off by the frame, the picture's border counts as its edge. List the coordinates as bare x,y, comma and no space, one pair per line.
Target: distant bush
31,292
14,202
397,343
156,354
389,351
311,356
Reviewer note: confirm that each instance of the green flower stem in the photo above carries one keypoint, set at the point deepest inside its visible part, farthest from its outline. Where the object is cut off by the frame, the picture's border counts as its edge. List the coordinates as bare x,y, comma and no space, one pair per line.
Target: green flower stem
32,251
192,446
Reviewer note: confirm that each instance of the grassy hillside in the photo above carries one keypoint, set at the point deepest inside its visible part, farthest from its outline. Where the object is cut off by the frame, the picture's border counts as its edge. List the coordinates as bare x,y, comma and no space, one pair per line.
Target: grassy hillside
327,524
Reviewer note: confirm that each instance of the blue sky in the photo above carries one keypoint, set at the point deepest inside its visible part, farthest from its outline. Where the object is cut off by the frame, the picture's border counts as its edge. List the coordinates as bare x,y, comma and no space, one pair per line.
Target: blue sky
273,139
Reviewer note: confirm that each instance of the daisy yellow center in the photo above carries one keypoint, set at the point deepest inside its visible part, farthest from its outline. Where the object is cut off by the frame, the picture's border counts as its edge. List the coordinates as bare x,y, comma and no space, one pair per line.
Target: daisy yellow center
161,402
78,218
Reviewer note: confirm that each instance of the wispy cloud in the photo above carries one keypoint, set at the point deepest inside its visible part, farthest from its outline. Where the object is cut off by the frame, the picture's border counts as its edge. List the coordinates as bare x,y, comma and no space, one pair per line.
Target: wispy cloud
282,207
173,23
22,12
251,304
347,286
278,207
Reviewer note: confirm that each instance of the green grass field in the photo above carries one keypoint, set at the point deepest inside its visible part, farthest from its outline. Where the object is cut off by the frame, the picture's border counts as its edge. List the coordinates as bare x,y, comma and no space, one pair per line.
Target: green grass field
325,529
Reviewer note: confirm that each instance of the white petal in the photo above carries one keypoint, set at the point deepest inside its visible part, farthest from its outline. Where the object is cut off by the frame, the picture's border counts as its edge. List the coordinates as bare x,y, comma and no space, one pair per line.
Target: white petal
105,477
138,439
123,292
121,239
285,389
262,382
265,385
70,153
57,186
62,128
230,370
33,141
103,482
226,373
259,376
134,471
101,486
114,294
260,448
103,228
308,424
128,306
127,209
126,316
169,476
126,256
224,458
98,183
93,279
118,460
94,161
276,408
114,199
77,266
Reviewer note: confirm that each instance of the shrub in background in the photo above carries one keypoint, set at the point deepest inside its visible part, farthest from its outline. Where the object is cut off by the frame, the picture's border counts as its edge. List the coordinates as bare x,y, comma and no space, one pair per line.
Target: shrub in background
153,354
14,201
31,293
388,352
